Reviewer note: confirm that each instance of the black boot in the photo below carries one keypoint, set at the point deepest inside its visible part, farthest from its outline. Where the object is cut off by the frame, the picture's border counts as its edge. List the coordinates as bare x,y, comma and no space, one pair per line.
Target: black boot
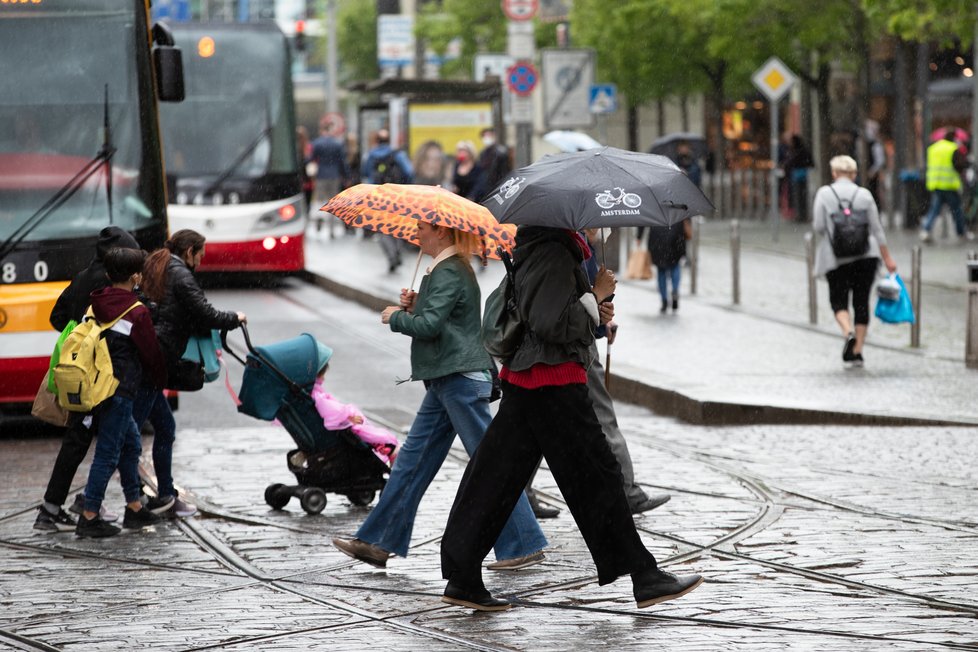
539,509
472,596
654,585
675,302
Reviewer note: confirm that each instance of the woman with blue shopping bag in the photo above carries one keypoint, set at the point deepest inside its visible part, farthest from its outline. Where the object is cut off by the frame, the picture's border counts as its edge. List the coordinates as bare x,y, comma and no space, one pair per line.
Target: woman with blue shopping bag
851,245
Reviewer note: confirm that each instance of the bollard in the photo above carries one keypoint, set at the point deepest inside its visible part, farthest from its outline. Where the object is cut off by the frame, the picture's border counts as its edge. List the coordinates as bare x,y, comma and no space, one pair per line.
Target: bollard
915,286
810,264
971,332
694,256
735,259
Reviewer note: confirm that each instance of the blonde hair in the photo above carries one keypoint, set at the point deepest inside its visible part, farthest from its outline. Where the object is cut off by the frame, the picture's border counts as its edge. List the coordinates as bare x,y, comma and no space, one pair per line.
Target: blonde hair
843,164
468,244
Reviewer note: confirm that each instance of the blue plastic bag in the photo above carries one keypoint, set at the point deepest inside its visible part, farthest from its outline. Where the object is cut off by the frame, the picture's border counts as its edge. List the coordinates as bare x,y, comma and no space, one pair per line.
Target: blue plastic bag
203,350
896,311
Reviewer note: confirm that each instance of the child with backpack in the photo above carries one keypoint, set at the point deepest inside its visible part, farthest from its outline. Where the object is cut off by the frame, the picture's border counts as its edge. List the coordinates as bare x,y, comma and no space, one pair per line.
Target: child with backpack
134,353
339,416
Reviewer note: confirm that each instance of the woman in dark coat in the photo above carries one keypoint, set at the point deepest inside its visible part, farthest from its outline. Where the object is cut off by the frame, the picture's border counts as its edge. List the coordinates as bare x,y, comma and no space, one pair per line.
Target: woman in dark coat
545,411
182,311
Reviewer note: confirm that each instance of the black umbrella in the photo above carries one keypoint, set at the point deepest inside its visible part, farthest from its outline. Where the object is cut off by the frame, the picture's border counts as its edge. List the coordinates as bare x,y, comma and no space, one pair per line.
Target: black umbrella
668,145
605,187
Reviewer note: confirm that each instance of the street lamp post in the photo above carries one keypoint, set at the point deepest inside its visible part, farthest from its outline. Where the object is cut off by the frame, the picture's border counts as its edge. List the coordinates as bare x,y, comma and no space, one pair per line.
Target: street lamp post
332,88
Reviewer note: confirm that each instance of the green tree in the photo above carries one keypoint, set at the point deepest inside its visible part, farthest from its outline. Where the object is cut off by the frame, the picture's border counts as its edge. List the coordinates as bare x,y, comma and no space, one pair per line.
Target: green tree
481,27
356,30
357,40
636,45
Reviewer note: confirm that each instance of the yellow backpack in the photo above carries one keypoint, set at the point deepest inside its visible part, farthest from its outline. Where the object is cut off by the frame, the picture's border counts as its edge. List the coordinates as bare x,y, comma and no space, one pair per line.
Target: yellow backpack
83,374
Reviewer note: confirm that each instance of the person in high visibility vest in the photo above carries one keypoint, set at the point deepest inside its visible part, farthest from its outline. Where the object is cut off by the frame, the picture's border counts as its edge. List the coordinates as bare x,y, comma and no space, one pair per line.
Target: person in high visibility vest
945,161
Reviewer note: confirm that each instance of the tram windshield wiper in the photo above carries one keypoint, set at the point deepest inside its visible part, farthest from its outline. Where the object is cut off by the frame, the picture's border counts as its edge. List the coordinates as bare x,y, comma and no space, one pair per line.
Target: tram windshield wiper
240,158
65,192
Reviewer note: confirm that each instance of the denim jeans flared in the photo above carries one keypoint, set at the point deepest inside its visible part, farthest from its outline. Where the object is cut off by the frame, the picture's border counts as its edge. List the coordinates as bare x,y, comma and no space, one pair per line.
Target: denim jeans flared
453,404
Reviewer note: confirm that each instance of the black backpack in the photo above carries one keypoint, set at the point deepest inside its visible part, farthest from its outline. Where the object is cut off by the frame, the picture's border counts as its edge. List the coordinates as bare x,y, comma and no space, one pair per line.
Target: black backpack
388,170
850,228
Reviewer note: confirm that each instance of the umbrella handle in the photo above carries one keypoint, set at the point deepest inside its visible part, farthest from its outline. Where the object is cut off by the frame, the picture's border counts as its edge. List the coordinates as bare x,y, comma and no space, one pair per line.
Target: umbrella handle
417,266
607,368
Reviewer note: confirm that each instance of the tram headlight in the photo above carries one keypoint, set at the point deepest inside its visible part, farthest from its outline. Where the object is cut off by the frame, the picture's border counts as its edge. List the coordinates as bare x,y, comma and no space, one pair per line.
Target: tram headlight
282,215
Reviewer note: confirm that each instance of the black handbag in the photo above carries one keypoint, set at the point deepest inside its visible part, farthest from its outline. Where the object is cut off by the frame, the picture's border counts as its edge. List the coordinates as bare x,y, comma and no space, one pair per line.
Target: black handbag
185,376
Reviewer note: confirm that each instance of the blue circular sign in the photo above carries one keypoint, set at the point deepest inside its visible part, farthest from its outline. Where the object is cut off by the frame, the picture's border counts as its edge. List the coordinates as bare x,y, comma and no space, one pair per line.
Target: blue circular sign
521,78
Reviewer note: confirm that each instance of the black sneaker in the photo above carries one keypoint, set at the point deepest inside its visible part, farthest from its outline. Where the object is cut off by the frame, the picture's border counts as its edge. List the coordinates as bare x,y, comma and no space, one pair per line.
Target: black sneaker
95,528
62,522
159,504
675,302
847,354
78,506
142,518
857,360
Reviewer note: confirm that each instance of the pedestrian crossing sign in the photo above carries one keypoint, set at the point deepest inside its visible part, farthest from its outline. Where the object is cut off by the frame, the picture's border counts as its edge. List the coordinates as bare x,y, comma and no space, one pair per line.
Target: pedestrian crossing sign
603,98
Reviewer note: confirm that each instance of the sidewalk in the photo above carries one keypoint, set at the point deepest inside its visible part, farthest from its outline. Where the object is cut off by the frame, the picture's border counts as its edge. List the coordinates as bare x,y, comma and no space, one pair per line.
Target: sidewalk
760,363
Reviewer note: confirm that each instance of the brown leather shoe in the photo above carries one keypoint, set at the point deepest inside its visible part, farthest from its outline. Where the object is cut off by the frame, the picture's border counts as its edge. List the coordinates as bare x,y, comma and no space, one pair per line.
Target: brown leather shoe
363,551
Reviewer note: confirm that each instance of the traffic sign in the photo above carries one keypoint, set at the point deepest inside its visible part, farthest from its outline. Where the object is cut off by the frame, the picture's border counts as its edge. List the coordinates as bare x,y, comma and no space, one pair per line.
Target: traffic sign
774,79
521,78
604,98
567,78
520,9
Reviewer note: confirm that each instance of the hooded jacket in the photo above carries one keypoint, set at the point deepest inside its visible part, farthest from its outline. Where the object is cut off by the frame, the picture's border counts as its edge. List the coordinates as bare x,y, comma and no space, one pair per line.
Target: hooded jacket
133,347
185,311
549,285
74,300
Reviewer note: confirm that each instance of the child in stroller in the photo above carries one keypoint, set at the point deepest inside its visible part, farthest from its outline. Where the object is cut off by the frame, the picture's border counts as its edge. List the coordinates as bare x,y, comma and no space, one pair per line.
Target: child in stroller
338,416
278,385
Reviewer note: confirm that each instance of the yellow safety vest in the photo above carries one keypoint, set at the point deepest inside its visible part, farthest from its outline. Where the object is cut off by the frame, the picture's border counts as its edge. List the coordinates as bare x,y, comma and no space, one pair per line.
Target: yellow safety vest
941,174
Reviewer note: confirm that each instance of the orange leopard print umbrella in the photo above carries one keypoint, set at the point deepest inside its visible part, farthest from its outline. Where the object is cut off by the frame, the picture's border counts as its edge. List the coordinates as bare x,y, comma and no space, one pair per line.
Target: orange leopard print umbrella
395,209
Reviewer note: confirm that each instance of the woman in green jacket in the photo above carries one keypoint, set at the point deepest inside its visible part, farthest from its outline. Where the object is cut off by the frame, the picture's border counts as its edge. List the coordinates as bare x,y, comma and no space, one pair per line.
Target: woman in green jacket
443,321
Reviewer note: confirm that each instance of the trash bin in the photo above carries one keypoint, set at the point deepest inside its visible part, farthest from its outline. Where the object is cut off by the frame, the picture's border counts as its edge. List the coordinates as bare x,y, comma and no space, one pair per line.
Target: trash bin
916,199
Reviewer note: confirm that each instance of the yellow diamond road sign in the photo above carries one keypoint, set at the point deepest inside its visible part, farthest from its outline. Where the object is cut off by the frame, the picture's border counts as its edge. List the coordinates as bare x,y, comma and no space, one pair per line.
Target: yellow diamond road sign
774,79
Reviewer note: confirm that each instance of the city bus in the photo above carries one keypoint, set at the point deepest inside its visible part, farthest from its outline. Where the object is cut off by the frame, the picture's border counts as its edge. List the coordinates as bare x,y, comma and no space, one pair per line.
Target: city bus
79,150
232,168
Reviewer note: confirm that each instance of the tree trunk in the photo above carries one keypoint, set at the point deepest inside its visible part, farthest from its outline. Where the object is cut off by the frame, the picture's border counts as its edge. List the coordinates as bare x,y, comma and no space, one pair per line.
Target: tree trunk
660,115
632,122
825,126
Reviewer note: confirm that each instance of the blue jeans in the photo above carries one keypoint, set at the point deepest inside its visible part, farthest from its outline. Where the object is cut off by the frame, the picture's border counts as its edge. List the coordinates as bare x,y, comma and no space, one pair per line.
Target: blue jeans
953,201
118,446
666,273
453,404
150,404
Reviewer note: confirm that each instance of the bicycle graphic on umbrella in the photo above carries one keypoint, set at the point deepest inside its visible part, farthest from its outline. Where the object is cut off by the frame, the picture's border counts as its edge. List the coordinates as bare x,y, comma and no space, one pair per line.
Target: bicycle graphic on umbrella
608,198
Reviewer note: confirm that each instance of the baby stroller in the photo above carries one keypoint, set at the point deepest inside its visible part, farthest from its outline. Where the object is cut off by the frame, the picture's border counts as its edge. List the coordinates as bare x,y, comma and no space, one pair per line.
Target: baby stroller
277,382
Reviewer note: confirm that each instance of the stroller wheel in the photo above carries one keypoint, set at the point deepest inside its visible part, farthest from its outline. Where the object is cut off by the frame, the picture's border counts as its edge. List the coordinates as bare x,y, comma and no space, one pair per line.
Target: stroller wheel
313,500
277,495
361,498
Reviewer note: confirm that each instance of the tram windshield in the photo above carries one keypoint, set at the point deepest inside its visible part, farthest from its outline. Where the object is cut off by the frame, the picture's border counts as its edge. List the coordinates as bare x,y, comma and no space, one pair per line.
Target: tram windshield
236,119
71,122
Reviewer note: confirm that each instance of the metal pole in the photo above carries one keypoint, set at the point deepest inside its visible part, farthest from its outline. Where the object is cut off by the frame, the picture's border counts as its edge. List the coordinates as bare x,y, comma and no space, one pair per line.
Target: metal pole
332,88
971,328
915,297
694,258
775,213
810,266
524,143
735,259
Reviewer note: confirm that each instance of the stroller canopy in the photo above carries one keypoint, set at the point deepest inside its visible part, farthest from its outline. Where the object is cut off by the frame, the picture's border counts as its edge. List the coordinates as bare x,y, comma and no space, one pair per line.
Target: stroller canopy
263,390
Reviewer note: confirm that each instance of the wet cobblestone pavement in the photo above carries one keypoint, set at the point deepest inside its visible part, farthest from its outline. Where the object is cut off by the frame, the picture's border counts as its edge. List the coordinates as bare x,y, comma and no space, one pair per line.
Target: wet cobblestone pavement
820,538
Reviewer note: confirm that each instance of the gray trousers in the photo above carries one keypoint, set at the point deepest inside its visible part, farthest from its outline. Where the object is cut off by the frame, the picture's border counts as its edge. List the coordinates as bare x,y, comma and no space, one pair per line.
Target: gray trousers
604,409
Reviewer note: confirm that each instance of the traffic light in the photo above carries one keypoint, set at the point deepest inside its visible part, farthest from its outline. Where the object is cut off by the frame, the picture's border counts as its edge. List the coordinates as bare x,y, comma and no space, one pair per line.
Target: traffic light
300,36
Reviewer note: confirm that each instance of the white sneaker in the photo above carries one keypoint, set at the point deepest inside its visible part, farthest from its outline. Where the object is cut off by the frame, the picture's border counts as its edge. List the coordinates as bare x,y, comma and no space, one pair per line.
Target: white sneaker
967,236
924,235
